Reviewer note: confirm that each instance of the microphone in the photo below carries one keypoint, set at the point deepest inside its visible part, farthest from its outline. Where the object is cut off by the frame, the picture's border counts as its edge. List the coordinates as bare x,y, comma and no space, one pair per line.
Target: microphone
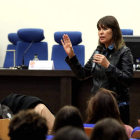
98,51
24,66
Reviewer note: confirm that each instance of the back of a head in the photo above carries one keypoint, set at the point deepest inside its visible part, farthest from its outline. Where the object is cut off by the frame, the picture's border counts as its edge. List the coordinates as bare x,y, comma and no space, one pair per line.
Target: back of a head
109,129
68,115
70,133
102,105
27,125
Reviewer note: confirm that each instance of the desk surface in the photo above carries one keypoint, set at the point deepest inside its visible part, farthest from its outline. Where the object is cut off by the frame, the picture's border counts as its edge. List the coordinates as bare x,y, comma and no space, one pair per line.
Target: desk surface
48,73
51,73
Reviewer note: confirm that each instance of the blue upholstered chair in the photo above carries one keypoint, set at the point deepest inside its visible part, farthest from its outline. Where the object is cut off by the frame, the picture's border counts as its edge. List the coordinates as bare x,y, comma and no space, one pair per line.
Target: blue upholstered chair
136,132
59,54
9,57
30,45
88,125
88,128
49,137
127,31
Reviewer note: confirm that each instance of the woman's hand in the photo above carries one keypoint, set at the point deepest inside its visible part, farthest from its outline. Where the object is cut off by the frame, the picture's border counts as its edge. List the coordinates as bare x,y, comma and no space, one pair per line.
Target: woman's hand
101,59
67,46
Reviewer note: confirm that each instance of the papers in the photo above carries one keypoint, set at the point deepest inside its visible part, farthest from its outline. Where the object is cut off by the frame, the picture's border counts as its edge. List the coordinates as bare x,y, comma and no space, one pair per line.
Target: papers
41,65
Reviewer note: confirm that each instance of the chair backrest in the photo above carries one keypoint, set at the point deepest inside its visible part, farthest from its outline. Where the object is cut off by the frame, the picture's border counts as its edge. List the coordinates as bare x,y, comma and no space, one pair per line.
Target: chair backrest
31,37
136,133
49,137
88,128
9,57
59,54
4,130
127,31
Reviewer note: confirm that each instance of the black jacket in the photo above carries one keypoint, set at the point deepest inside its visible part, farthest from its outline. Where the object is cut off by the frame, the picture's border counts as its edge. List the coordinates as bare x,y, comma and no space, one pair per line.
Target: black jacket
117,77
18,102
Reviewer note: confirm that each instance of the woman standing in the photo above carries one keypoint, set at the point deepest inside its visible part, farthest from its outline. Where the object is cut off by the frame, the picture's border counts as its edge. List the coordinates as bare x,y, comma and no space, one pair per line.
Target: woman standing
113,68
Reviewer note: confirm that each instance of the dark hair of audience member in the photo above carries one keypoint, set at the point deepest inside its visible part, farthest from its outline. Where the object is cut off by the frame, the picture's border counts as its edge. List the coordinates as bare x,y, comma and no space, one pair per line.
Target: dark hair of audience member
28,125
102,105
67,115
70,133
109,129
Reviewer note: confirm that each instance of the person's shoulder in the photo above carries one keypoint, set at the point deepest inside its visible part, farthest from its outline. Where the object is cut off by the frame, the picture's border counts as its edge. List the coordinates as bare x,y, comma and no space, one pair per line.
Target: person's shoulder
124,49
128,130
121,50
128,127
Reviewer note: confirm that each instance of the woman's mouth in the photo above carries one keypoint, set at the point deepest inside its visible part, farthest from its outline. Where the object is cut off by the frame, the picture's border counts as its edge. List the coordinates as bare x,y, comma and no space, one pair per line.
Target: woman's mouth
101,38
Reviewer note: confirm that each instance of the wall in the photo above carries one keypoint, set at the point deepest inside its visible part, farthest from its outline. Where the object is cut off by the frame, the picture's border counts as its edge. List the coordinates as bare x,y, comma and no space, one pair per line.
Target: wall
65,15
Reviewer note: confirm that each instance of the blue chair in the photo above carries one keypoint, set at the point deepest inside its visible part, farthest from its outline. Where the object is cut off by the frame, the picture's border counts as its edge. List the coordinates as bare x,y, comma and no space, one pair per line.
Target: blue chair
49,137
88,125
30,45
88,128
127,31
59,54
9,57
136,133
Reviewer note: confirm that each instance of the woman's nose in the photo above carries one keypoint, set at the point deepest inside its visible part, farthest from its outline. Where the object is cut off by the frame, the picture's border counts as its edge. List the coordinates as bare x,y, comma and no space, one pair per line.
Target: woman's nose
101,31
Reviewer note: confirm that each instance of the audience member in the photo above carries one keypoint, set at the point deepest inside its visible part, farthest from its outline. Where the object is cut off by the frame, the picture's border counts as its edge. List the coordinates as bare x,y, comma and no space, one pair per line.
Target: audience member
18,102
103,105
70,133
108,129
68,115
28,125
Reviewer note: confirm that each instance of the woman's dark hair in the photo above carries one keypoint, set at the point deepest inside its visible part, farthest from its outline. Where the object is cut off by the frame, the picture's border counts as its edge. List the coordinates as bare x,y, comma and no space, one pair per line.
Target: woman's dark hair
102,105
111,22
68,115
70,133
109,129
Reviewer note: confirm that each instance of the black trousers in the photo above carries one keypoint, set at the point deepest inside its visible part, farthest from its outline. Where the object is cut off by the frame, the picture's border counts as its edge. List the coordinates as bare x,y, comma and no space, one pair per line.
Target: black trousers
125,114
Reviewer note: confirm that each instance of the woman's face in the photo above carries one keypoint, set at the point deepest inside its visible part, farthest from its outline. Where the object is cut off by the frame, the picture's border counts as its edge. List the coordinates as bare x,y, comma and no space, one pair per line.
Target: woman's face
105,35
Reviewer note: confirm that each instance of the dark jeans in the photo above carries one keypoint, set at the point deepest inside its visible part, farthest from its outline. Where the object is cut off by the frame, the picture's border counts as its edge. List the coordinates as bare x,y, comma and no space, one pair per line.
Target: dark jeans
124,114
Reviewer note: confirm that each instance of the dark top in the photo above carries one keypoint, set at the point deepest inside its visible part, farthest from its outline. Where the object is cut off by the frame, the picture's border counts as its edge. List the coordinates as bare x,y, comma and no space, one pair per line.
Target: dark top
17,102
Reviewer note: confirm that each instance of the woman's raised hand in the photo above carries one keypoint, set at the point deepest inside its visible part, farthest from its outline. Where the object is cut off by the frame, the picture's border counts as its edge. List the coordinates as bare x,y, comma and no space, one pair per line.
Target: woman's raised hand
67,46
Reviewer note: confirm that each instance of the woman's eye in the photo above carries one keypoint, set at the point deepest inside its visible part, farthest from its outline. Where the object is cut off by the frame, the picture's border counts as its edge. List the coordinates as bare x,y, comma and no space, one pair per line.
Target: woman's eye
105,28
